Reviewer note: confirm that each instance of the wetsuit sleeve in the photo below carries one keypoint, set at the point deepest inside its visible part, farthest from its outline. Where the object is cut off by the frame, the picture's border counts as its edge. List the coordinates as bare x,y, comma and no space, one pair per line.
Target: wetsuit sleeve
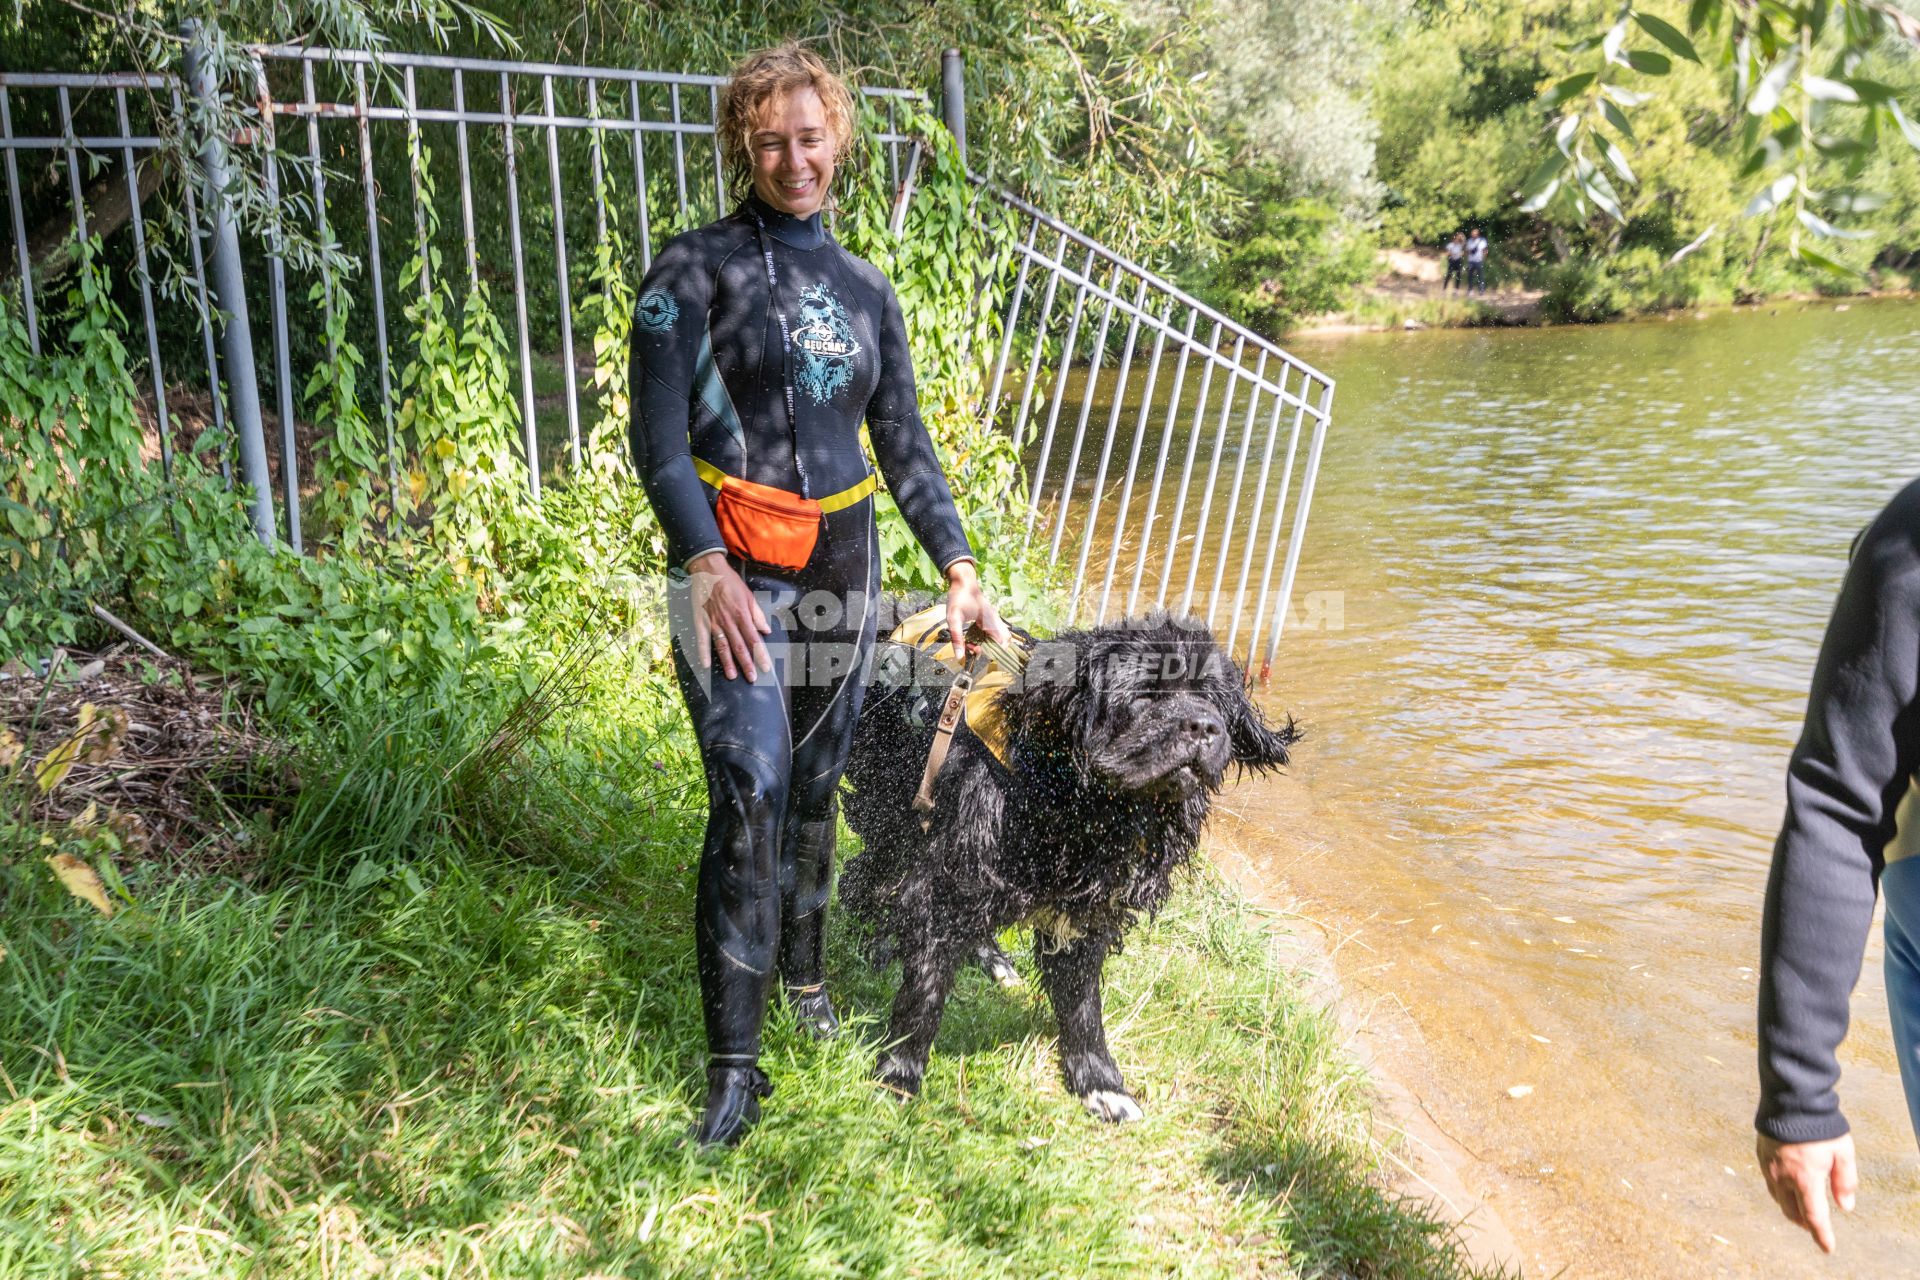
669,323
1856,756
905,452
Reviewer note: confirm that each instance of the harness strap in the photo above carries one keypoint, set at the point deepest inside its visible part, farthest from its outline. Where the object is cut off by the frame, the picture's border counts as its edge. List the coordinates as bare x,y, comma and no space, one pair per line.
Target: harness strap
951,713
840,501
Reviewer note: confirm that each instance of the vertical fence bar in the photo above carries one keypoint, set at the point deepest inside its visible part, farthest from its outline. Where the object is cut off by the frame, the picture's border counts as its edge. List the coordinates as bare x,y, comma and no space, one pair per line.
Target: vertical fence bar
229,286
1276,519
1115,403
1097,357
161,424
19,226
73,163
1233,502
1059,390
560,276
414,162
1235,371
377,278
719,166
640,179
1011,320
1055,268
1198,423
599,170
1259,509
1160,460
528,429
1284,600
319,195
1080,428
282,359
679,152
1133,462
466,179
205,309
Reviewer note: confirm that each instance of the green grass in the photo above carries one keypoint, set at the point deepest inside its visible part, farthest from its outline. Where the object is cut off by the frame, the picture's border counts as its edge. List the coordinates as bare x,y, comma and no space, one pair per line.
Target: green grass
450,1028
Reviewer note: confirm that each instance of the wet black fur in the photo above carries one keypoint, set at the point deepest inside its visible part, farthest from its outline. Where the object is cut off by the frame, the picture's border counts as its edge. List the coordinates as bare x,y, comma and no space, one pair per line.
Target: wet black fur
1120,736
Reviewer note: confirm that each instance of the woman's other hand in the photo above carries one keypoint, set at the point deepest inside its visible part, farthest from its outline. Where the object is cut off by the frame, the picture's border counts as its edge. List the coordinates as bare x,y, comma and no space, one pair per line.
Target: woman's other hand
967,603
727,621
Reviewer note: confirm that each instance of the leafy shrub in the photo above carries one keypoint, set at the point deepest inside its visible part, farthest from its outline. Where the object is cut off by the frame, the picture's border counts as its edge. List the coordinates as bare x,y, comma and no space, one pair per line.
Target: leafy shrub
1292,258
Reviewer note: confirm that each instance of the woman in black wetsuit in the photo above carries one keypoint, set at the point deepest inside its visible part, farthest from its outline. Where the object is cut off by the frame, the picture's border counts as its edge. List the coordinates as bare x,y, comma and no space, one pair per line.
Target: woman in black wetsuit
759,346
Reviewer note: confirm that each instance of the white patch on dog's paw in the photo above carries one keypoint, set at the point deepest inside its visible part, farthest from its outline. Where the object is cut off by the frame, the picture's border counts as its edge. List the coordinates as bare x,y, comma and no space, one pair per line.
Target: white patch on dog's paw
1114,1108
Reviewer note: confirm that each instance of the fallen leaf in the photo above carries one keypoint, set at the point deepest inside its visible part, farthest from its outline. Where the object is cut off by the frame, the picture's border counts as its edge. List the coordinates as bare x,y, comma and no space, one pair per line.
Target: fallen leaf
1715,1061
1542,1039
1563,919
1519,1091
10,749
81,881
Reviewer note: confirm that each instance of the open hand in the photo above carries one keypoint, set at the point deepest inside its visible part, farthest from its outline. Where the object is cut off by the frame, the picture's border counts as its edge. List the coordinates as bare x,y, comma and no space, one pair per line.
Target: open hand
727,621
1800,1174
967,603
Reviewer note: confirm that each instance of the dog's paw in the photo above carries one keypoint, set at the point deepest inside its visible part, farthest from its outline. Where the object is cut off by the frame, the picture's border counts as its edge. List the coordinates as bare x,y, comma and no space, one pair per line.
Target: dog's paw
996,964
1111,1105
897,1074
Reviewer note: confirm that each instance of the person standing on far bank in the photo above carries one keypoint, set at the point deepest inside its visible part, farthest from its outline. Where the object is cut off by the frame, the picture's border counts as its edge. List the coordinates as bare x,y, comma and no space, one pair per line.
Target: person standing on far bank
759,347
1476,262
1852,826
1456,262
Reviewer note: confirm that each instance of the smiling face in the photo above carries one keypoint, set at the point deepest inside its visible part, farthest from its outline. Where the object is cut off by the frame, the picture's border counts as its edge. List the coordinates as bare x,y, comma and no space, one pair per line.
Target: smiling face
792,149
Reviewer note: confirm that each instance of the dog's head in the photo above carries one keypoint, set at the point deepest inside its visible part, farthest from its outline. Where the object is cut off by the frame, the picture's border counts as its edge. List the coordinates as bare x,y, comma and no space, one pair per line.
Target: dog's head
1147,707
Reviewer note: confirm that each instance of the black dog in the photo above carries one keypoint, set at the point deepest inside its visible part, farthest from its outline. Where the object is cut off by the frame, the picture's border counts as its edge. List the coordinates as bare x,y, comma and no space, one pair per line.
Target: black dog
1117,739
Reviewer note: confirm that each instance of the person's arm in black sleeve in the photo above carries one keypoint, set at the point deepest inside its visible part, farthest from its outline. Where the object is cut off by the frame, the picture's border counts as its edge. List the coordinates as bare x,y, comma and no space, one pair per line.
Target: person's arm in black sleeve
1856,755
670,322
905,452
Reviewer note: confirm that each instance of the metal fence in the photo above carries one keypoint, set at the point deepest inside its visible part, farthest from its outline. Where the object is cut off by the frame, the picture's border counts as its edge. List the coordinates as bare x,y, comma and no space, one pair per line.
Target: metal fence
549,157
1230,395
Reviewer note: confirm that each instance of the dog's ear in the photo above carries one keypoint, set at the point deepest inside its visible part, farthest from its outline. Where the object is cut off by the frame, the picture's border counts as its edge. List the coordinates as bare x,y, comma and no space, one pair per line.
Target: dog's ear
1257,744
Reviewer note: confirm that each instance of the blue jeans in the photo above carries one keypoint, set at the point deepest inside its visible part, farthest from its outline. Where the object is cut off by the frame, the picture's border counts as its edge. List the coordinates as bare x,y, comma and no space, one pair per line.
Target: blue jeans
1900,882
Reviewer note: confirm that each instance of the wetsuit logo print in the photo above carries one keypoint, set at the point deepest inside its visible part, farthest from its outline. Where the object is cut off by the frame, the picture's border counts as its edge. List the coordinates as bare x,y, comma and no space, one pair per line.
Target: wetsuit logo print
657,311
826,343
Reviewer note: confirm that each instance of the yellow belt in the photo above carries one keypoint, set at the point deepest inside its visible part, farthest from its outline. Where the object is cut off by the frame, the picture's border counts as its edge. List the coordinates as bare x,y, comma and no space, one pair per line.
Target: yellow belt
832,502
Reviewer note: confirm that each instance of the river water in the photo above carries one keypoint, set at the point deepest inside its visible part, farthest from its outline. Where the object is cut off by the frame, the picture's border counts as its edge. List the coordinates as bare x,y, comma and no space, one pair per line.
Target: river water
1585,572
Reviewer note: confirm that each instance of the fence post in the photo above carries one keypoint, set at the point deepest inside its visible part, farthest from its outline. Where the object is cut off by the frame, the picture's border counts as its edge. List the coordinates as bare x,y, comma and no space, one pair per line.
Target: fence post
229,283
953,99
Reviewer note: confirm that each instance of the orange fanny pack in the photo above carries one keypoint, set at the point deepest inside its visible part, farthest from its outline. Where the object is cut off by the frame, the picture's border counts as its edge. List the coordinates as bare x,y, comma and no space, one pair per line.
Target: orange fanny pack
772,526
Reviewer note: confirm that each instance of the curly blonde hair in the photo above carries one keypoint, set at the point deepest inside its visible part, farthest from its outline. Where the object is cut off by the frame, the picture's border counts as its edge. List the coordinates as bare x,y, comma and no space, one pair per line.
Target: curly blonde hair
757,80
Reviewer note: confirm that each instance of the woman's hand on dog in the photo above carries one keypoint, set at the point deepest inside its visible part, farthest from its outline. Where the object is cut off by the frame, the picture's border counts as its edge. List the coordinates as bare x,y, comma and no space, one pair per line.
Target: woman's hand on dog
727,621
967,603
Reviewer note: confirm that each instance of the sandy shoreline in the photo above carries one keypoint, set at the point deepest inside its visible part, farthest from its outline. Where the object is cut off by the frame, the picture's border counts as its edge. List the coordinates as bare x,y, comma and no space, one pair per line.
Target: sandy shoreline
1433,1166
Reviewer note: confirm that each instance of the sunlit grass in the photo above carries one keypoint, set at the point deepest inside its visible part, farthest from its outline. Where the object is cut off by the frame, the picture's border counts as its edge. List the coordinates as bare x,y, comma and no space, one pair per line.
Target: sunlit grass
452,1029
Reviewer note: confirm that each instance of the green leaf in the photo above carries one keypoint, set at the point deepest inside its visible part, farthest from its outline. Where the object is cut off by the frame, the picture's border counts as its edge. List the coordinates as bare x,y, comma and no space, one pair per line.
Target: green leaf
1821,227
1618,119
1698,12
1907,127
1856,201
1766,94
1776,191
1647,62
1868,91
1544,175
1814,258
1666,35
1821,89
1567,88
1768,152
1601,192
1538,200
1618,159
